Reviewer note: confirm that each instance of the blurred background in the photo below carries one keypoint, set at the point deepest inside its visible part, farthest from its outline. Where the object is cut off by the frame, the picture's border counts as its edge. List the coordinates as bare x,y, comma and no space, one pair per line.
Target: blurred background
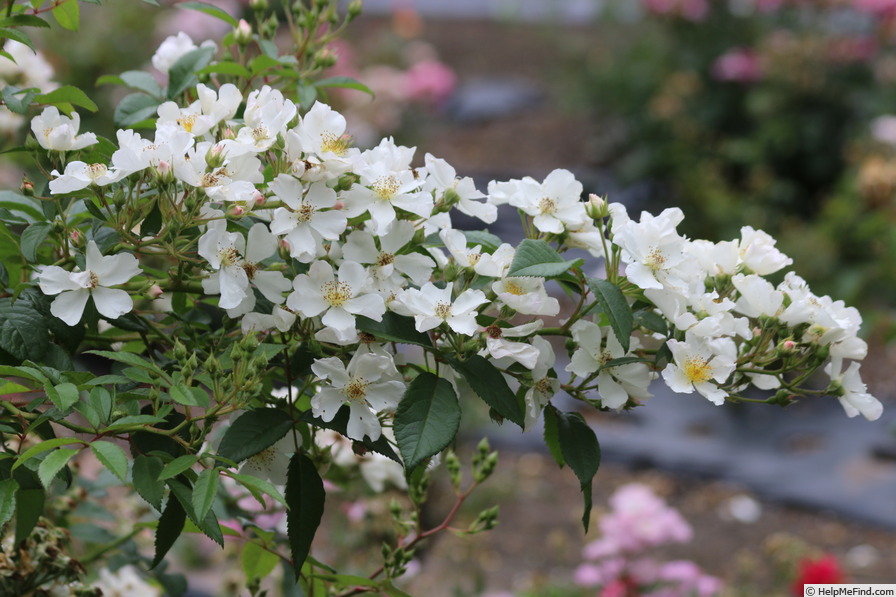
777,114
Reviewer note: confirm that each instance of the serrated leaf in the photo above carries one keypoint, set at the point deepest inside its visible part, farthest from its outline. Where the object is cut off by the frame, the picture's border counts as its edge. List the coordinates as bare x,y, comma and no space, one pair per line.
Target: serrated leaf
133,359
19,105
181,74
8,489
488,383
305,497
257,561
135,108
204,491
254,431
145,477
344,83
581,451
536,258
393,328
63,395
177,466
67,14
485,239
258,486
611,302
181,394
208,524
427,419
53,463
552,436
32,238
67,94
211,10
171,525
112,457
29,508
44,446
16,36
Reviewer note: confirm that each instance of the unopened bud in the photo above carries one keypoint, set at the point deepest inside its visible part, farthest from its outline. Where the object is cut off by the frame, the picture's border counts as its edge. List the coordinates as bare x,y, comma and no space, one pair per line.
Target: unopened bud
325,58
164,172
76,237
787,347
452,463
354,8
154,292
242,33
596,207
284,249
215,157
259,5
236,211
27,187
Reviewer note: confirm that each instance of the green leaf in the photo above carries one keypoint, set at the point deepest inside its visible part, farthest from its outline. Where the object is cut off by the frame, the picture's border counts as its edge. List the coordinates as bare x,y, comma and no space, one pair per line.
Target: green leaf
426,420
552,436
210,10
19,105
112,457
32,238
344,83
394,328
182,394
45,446
132,359
258,486
67,14
178,465
257,561
135,79
305,497
488,383
536,258
53,463
8,489
580,450
652,321
254,431
204,492
171,525
180,75
145,477
67,94
226,68
208,524
20,203
22,20
611,302
63,395
135,108
16,36
100,401
29,507
485,239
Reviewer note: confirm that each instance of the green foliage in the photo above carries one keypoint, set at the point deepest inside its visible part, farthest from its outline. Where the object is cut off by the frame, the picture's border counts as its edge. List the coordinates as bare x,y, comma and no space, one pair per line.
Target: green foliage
305,497
427,419
537,258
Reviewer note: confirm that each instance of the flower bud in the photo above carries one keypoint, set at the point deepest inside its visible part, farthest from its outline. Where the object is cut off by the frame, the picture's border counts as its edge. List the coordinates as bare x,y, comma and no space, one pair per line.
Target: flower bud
284,248
596,207
236,211
242,33
164,172
324,59
258,5
27,188
154,292
215,157
354,9
77,238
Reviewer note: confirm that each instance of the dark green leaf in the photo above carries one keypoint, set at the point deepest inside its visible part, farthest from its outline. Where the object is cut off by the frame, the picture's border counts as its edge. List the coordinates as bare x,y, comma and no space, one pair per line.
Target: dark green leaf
180,75
204,491
67,14
135,108
611,302
394,328
652,321
133,359
112,457
28,206
32,238
254,431
426,420
23,333
537,258
53,463
67,94
485,239
552,436
63,395
21,20
345,83
144,442
209,523
29,508
580,450
171,525
177,466
305,496
489,384
16,36
181,394
145,476
259,487
8,489
211,10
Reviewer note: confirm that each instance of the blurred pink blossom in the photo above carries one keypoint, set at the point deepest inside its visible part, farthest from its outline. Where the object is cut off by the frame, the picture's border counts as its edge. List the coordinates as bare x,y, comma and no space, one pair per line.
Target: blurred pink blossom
876,7
430,82
692,10
640,519
740,65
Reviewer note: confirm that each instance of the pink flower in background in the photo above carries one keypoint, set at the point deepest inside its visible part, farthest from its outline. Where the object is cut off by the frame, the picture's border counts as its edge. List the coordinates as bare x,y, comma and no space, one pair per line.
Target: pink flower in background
876,7
852,49
640,519
740,65
692,10
429,81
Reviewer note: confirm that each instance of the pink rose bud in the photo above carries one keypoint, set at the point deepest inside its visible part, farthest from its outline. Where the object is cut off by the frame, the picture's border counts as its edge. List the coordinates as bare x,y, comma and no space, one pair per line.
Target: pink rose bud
236,211
155,291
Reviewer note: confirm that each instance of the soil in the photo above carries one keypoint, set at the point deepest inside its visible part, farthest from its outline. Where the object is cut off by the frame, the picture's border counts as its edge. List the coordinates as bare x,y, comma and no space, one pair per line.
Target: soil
539,538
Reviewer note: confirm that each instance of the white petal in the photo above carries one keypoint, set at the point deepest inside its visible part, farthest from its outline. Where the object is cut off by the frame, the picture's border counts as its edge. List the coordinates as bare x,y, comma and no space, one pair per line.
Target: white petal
361,422
53,280
327,403
112,303
69,306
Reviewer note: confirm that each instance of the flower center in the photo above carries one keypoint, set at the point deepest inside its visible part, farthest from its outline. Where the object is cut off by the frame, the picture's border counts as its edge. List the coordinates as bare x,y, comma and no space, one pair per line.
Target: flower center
333,144
336,293
443,310
305,211
697,369
250,269
260,133
209,179
547,205
543,386
514,289
385,187
604,358
474,258
265,458
94,171
356,389
187,122
385,259
655,259
229,256
94,280
493,331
